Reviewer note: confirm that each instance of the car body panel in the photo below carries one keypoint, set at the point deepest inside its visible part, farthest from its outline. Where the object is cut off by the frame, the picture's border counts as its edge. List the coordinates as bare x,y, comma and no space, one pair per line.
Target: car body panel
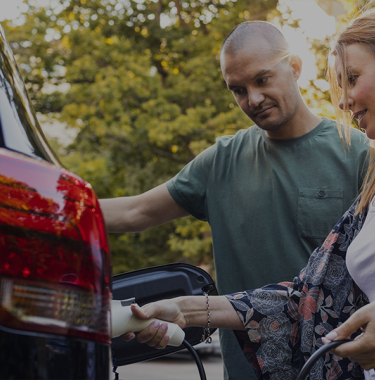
53,252
50,357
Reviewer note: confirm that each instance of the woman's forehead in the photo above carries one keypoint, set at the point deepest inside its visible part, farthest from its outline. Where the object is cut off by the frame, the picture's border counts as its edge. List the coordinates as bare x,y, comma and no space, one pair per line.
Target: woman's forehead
356,56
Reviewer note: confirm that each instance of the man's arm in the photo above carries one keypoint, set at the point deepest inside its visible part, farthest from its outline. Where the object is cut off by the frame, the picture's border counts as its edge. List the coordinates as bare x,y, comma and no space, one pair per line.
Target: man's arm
133,214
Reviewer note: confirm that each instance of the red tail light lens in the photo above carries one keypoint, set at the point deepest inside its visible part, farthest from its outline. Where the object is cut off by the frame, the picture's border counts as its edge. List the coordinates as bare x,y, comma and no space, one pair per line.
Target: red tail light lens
54,257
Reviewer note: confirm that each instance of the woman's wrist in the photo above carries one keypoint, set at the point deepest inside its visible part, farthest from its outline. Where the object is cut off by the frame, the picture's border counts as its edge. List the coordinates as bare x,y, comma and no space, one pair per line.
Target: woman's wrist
222,314
193,308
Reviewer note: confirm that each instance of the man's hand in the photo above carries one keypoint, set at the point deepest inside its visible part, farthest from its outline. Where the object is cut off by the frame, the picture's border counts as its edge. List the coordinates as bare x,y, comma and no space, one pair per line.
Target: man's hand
134,214
362,349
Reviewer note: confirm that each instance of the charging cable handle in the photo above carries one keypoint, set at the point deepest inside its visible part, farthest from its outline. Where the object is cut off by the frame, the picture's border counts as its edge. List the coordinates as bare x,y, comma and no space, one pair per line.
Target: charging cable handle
123,321
317,355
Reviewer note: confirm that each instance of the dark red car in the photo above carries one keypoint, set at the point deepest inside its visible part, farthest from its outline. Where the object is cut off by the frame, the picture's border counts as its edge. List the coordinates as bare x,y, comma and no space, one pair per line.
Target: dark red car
55,273
55,276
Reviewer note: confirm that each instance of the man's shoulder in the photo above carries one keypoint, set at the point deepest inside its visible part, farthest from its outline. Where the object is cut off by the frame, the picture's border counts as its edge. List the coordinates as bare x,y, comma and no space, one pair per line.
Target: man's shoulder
357,138
243,136
225,149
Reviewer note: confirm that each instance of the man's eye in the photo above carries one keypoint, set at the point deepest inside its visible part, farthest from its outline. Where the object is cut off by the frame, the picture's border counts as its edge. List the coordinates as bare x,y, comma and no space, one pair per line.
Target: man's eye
262,80
239,91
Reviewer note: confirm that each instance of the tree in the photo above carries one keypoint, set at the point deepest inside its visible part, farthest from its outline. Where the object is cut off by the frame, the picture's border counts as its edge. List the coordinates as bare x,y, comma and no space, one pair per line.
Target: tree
141,82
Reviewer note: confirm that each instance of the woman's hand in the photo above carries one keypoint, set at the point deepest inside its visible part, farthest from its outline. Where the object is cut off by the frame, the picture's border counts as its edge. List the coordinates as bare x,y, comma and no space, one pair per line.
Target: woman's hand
156,334
362,349
184,311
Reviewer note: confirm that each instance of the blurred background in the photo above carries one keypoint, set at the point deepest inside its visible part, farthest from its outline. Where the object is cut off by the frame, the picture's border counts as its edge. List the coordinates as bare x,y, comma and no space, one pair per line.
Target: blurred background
129,91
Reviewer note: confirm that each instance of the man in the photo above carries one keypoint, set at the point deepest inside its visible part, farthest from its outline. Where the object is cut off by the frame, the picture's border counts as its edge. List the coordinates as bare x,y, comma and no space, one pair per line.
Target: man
270,193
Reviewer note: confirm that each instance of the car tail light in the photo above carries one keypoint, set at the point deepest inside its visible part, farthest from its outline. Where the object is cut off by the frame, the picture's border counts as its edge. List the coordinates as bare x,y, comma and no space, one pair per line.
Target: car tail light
54,257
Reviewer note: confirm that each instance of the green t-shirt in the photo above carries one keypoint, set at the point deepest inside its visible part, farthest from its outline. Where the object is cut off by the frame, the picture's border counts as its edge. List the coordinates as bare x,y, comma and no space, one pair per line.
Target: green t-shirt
270,202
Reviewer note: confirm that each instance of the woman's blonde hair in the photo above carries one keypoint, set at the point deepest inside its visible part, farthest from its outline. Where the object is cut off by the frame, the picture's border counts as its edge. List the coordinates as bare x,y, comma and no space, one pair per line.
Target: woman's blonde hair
360,30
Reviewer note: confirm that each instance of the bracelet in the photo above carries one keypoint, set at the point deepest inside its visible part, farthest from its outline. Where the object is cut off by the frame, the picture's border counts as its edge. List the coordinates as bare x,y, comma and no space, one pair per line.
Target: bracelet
206,337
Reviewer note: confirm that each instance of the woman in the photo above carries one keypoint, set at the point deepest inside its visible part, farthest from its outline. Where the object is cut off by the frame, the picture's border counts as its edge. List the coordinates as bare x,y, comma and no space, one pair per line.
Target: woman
279,326
353,70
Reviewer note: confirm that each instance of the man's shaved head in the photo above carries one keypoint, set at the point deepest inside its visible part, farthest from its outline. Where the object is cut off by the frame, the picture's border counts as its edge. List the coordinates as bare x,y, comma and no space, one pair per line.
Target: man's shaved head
248,31
262,75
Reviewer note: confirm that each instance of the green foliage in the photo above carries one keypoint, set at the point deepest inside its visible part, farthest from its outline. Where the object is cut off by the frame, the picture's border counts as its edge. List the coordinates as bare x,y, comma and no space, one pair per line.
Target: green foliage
141,81
318,99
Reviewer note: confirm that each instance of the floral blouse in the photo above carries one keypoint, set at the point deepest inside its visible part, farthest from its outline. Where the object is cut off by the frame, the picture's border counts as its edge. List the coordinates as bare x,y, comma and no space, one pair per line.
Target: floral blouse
285,322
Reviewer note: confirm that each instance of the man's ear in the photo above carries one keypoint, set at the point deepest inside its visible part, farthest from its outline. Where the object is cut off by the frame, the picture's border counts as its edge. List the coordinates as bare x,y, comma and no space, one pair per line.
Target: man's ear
295,63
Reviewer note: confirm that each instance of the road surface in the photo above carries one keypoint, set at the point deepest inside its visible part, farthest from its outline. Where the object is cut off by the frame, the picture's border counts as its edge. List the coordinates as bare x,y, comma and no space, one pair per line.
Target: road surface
172,369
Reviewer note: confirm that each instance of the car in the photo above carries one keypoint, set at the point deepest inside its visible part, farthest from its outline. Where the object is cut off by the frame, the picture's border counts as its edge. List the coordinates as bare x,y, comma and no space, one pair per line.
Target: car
55,272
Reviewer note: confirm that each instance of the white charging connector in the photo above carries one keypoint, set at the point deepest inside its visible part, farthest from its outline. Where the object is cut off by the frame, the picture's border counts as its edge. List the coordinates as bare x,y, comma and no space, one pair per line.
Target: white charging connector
123,321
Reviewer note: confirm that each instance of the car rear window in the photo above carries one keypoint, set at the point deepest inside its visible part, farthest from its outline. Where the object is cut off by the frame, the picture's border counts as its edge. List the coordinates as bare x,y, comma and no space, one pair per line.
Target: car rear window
18,125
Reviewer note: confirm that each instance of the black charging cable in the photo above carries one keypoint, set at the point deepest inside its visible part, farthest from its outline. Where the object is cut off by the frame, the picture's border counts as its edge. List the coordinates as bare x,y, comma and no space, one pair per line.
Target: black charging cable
302,375
188,346
114,366
304,371
197,359
317,355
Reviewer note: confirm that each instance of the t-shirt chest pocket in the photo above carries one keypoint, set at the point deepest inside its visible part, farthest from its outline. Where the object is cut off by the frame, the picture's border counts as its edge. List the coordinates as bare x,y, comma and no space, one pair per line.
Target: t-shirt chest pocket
319,209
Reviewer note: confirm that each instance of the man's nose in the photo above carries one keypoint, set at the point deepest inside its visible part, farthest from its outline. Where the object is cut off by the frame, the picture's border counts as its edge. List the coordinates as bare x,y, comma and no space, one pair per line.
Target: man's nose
342,103
255,98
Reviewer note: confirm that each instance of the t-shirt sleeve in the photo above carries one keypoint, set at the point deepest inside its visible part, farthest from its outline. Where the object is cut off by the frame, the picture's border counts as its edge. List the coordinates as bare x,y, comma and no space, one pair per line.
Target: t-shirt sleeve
189,187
